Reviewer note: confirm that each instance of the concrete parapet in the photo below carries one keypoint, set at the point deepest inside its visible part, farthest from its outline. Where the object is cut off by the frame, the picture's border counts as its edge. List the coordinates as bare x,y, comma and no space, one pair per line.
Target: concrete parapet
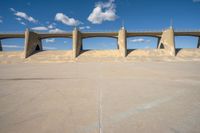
122,42
167,41
32,43
77,42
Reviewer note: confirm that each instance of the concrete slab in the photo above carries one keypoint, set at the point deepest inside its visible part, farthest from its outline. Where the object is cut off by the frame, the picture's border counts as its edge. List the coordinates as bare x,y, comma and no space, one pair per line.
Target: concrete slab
114,96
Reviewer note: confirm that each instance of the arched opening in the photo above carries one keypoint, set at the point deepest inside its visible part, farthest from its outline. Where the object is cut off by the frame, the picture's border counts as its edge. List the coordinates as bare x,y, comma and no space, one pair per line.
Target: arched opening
162,46
52,44
37,48
186,42
12,44
142,42
99,43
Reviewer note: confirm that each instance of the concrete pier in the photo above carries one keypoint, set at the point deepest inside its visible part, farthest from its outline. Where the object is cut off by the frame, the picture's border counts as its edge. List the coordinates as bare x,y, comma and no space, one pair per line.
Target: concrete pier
167,41
77,42
122,42
32,43
198,45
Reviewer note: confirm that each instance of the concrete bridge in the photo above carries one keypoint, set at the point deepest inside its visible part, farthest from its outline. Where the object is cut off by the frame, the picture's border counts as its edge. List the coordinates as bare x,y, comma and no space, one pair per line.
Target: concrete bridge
165,39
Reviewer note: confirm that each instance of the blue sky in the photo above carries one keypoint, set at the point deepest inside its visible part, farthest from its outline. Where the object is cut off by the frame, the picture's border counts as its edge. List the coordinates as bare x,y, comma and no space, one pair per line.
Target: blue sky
98,15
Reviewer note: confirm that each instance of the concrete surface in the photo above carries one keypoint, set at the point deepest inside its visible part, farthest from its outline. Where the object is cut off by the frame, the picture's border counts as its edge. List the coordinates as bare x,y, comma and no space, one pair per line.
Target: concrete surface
168,41
106,97
122,42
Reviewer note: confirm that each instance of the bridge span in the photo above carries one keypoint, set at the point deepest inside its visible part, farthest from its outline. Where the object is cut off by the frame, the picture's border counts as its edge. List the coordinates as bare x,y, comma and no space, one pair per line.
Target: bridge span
33,39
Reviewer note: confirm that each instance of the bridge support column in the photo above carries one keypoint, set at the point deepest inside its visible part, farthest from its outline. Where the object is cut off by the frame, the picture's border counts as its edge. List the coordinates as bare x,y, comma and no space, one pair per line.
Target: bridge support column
122,42
198,45
1,46
32,43
77,42
167,41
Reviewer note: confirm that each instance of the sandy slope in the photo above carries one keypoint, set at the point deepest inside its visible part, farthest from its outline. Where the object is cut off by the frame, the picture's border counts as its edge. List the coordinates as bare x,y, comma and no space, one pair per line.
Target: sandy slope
100,56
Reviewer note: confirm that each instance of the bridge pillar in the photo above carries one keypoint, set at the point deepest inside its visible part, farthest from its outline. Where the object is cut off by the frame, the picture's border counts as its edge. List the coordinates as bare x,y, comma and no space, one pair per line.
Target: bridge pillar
167,41
1,49
77,42
33,43
122,42
198,45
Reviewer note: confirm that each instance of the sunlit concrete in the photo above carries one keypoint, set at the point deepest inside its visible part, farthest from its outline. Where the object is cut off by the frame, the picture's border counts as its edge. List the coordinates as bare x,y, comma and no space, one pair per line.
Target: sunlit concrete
142,97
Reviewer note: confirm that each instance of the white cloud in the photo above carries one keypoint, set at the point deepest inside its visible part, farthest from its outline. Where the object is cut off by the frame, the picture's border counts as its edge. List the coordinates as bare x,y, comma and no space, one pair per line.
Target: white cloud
19,19
12,9
51,26
22,23
195,1
84,27
56,30
50,40
11,46
40,28
103,12
1,21
140,40
23,15
66,20
49,48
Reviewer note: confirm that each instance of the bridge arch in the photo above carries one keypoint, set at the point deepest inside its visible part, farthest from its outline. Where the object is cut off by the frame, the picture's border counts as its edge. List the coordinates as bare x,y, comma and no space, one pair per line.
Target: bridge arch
57,43
99,43
184,42
12,44
142,42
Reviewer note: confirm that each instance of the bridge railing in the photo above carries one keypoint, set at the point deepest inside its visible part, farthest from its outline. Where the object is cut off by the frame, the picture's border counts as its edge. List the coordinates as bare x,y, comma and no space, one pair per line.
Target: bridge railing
101,30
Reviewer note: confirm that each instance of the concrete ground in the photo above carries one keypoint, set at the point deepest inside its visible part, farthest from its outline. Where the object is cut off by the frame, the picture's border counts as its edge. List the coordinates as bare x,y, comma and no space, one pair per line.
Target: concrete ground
106,97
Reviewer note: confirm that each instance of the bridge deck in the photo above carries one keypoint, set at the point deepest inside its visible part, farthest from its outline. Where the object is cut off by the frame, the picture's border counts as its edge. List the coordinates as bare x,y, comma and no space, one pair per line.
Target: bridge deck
97,34
12,35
